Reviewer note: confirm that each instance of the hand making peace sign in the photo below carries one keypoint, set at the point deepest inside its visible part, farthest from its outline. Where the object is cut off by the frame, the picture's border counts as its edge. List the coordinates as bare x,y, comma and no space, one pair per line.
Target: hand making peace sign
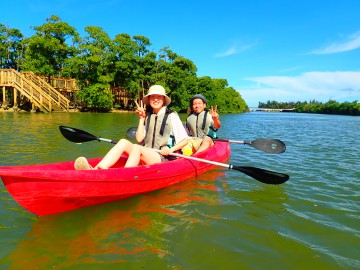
213,112
141,109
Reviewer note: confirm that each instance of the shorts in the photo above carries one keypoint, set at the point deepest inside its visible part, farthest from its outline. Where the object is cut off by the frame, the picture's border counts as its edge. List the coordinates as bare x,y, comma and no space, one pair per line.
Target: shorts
166,158
192,146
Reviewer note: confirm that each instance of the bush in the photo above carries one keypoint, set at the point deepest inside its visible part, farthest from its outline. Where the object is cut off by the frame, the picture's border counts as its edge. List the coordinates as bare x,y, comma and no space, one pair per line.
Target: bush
98,97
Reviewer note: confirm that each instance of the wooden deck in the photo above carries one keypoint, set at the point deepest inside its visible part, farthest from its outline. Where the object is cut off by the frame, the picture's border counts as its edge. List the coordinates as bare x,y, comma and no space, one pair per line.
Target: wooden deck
47,93
42,95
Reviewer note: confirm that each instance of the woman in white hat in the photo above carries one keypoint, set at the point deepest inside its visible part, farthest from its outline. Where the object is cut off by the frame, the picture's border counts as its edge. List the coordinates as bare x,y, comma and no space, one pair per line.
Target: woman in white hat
159,128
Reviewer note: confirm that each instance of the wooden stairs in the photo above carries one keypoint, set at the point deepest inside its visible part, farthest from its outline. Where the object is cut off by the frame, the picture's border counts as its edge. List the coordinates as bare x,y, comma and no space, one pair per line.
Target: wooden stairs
38,91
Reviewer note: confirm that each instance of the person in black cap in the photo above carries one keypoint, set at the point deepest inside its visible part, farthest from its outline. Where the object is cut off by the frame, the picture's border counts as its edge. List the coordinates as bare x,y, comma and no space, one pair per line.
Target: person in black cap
202,124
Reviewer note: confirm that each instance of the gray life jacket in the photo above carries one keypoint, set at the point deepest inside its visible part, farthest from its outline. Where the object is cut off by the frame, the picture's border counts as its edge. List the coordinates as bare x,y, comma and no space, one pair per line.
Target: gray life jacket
200,125
159,131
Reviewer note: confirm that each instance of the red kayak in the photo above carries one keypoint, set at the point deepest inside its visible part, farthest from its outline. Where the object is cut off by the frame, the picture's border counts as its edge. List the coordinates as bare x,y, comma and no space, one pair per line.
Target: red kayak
47,189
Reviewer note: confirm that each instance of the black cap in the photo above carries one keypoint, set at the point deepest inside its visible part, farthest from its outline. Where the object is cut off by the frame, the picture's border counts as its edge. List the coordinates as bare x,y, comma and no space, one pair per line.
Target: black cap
197,96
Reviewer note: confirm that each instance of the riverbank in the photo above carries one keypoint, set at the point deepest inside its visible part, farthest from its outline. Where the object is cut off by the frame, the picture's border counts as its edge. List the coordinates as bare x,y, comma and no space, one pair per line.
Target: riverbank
12,110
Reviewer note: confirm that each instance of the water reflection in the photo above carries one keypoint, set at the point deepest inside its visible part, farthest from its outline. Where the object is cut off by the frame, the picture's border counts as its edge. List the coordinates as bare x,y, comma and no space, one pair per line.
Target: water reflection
35,138
222,218
117,232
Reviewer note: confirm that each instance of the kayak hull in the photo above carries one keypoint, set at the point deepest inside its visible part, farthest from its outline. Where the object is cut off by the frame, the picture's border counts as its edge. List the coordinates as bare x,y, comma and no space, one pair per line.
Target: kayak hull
47,189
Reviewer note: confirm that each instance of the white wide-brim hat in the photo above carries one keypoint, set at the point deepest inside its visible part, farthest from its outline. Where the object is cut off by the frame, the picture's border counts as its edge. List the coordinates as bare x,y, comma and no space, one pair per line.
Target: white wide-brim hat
156,90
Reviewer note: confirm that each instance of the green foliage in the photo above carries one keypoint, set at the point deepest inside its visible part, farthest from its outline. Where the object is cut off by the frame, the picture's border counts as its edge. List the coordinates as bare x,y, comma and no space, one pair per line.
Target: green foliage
330,107
217,92
12,46
97,96
278,105
48,50
98,62
91,64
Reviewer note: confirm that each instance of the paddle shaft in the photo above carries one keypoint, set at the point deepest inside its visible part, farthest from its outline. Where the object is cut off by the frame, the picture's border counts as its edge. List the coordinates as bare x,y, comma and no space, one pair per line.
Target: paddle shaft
229,166
264,176
107,140
232,141
271,146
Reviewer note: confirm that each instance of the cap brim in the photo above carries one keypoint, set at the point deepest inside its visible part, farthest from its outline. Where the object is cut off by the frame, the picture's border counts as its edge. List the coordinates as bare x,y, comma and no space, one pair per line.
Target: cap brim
145,100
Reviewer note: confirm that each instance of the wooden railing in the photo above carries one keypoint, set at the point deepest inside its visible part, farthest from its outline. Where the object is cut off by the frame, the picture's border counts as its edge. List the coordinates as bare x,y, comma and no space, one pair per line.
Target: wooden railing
37,90
55,95
12,78
61,84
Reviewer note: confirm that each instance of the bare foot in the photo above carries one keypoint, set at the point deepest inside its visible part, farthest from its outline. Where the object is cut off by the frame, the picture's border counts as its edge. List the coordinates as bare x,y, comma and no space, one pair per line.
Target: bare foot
81,163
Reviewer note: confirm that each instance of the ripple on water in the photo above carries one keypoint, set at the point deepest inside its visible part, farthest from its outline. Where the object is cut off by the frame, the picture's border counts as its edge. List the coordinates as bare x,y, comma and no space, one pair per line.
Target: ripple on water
309,222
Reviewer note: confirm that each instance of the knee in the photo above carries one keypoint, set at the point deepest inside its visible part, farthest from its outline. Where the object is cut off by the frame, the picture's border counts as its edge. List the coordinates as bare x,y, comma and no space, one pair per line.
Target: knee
132,149
122,142
207,141
136,148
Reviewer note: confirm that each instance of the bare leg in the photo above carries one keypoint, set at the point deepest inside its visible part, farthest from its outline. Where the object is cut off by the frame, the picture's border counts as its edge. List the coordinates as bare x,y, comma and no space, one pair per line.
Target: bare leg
134,156
206,143
134,151
123,146
149,156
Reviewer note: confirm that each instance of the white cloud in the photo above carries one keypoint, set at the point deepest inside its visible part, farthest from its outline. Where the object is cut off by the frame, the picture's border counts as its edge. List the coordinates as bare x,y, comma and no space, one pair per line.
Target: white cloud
235,49
228,52
321,86
352,43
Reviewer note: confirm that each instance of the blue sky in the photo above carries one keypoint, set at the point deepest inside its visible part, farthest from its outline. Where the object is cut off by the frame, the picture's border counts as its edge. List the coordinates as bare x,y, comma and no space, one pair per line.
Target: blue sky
284,50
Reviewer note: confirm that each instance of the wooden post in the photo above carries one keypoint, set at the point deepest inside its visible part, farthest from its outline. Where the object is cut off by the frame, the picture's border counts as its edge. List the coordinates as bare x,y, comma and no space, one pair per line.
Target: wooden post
4,97
15,107
33,109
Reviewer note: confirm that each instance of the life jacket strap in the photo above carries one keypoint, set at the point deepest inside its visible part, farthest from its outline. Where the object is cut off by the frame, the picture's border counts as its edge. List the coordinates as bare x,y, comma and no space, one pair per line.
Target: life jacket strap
163,124
167,112
204,120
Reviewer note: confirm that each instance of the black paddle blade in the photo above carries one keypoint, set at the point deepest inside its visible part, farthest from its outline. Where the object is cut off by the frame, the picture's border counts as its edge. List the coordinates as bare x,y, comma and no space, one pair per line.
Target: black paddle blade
264,176
272,146
76,135
131,133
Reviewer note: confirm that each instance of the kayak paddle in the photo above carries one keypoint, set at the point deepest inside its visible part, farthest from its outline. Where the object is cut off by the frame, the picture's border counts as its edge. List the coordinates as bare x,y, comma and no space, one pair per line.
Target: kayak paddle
264,176
272,146
79,136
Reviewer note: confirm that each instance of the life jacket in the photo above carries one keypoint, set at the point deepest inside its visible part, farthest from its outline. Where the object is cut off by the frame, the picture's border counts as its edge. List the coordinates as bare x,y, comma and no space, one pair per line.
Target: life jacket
200,125
159,131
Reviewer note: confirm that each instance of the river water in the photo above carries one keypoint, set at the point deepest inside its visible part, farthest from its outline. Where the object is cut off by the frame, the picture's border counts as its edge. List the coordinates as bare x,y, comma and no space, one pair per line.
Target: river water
219,220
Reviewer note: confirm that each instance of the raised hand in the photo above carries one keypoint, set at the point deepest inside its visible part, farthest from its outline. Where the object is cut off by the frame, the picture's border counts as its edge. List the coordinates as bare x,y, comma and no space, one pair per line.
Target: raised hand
140,109
213,112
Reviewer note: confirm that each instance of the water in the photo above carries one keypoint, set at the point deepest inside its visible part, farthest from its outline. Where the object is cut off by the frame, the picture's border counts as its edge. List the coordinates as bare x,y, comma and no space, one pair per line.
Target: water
220,220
